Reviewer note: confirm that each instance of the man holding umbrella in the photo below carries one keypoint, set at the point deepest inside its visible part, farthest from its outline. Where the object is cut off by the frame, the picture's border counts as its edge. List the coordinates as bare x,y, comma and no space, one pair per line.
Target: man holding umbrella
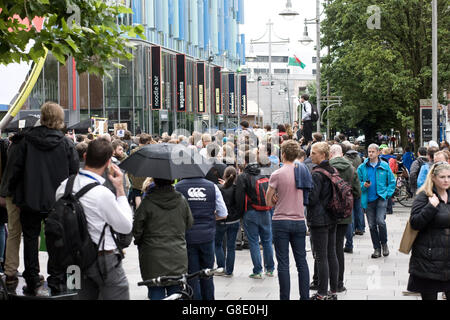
170,162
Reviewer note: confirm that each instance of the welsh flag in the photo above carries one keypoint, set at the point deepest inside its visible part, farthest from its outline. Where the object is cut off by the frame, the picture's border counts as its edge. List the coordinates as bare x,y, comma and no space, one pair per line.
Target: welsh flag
296,62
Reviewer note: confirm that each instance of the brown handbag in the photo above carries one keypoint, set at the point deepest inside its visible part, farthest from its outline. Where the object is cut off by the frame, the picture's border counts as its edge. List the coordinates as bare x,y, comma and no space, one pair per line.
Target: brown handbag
409,235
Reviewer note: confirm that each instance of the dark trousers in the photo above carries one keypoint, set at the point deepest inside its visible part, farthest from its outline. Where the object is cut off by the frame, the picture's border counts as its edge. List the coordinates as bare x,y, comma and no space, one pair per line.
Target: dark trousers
340,236
324,249
307,130
201,256
31,228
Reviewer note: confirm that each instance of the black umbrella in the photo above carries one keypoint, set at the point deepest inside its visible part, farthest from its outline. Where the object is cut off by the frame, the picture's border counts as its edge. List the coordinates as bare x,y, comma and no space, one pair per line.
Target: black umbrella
30,122
82,125
166,161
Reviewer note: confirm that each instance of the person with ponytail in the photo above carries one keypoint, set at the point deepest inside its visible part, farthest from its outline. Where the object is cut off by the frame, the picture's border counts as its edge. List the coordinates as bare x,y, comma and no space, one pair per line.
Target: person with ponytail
429,265
229,226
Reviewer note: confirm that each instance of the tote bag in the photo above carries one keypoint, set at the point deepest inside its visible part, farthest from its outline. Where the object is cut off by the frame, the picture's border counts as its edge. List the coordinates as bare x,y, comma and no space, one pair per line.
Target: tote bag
409,235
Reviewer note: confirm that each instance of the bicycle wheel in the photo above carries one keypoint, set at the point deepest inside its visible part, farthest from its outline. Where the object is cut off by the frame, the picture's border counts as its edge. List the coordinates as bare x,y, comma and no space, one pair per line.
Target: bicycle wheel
403,197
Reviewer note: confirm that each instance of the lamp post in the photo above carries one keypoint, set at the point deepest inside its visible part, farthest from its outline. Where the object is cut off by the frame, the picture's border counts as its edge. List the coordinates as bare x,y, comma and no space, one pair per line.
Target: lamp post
434,71
270,43
305,39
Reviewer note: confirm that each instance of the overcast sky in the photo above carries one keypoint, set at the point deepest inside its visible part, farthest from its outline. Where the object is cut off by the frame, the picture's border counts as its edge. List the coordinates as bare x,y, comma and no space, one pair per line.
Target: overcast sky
258,13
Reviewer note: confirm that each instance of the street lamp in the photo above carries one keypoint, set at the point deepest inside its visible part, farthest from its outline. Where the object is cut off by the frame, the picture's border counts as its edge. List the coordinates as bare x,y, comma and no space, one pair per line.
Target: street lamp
270,43
288,13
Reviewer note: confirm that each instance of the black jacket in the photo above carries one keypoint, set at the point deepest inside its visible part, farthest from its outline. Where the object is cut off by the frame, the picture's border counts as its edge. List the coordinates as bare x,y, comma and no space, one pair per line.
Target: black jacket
317,214
430,258
8,171
229,197
243,186
45,158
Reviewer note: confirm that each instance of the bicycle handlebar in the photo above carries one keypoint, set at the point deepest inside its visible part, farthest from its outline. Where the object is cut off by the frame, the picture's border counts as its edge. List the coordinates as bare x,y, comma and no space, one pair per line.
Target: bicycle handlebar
162,281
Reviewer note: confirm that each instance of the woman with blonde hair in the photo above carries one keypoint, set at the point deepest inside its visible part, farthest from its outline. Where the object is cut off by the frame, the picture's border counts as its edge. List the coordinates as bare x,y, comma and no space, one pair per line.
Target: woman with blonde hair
429,265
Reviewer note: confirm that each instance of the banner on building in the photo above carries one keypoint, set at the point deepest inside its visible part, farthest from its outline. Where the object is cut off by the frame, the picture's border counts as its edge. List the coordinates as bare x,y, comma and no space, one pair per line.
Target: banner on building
243,94
217,91
201,87
181,82
231,94
156,78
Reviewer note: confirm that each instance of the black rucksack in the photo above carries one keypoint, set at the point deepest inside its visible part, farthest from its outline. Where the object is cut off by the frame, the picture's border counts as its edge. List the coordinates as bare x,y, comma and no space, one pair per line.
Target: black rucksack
314,112
67,237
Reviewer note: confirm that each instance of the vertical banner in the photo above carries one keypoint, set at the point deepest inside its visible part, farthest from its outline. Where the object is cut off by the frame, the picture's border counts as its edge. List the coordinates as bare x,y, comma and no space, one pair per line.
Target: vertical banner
243,94
181,83
231,94
201,87
156,78
217,91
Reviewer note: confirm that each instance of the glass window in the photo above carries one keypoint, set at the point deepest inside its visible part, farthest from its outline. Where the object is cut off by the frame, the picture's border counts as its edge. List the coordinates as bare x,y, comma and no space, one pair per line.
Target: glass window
84,91
64,86
111,97
96,95
51,78
140,87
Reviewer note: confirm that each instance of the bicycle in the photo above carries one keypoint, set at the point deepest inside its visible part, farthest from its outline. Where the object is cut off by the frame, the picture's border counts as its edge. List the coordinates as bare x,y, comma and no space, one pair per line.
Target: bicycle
186,292
402,193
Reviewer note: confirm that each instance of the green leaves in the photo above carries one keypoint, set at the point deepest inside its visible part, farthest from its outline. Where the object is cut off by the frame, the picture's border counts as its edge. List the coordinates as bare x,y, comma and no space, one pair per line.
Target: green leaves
382,73
95,41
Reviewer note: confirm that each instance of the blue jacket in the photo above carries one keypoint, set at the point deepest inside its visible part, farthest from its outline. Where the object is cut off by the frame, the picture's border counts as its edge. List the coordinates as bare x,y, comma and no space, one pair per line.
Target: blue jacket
385,181
423,174
201,196
303,180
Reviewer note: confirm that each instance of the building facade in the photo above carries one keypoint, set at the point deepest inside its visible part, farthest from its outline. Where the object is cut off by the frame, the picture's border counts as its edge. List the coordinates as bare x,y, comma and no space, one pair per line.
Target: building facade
184,75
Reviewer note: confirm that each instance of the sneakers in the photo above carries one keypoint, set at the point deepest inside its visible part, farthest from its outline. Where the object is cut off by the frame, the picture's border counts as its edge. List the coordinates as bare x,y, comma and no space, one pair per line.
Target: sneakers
255,276
348,250
331,296
341,289
376,254
269,274
385,250
359,233
318,297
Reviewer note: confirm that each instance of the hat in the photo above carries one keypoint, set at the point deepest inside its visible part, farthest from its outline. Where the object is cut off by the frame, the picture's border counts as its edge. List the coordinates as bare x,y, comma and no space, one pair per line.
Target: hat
383,146
433,144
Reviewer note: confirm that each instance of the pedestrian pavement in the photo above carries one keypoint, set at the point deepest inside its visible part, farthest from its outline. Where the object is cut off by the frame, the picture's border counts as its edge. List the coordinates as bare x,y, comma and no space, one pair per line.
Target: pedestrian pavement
365,278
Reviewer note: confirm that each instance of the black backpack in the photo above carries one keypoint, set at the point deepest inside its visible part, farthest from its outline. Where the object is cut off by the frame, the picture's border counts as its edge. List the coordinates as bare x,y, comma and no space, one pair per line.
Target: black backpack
67,237
314,112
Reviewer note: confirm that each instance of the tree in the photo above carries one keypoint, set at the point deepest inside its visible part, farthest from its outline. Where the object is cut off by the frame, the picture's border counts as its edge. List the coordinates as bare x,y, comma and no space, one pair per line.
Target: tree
86,30
382,73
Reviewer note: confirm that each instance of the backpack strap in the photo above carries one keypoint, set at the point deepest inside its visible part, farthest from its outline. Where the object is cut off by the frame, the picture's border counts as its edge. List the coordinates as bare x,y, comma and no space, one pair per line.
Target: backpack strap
69,185
85,190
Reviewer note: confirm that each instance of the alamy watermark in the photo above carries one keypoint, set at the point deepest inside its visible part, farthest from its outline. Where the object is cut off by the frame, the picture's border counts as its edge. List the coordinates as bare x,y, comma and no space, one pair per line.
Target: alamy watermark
374,21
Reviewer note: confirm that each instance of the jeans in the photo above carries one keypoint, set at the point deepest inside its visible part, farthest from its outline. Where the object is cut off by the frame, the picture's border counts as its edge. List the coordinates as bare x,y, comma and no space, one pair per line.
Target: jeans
390,203
31,228
349,236
376,216
159,293
358,216
293,232
324,248
258,224
201,256
341,231
231,231
2,244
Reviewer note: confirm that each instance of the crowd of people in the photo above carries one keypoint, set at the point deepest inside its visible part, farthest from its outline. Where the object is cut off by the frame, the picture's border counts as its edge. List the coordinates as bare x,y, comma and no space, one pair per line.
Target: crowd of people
268,188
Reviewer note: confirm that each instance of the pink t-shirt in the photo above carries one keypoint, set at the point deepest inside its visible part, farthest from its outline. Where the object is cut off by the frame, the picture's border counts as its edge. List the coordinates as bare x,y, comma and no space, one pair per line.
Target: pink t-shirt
290,199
